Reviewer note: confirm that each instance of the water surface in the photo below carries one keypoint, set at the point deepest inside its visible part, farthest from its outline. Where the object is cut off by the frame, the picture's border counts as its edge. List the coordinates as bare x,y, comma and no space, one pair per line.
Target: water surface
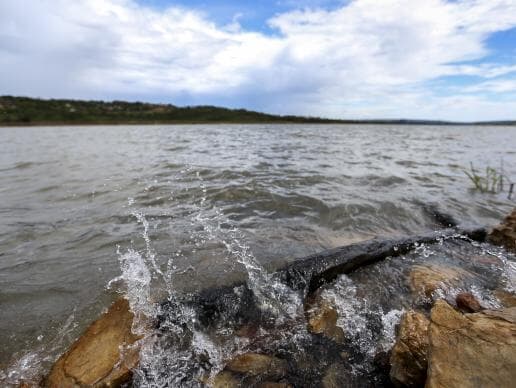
75,200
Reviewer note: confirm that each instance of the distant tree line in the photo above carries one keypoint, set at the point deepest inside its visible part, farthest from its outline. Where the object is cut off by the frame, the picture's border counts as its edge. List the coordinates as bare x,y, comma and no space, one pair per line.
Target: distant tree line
33,111
24,110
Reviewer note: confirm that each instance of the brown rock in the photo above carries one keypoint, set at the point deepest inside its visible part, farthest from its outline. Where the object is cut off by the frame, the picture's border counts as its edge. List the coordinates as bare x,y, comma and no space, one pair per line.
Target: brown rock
507,299
426,279
467,303
471,350
270,384
254,364
409,354
226,379
322,319
508,314
339,375
505,233
95,358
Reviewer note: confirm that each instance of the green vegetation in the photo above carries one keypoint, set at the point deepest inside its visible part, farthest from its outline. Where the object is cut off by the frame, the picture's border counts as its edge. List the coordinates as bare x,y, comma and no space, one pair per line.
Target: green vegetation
30,111
492,181
33,111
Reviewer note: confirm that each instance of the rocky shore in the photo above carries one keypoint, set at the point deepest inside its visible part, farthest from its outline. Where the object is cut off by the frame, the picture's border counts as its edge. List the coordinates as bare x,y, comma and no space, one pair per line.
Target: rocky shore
439,343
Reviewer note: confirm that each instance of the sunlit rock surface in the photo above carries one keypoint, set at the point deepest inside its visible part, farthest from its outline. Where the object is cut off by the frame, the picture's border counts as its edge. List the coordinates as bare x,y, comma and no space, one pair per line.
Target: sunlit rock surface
471,350
103,356
409,354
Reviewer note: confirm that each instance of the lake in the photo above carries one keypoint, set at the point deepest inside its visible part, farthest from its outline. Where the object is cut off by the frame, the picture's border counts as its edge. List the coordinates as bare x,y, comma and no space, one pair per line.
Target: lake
76,201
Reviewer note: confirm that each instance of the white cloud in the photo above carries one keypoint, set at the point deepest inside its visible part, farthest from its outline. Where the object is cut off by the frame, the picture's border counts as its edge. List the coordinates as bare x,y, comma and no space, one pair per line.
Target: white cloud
367,58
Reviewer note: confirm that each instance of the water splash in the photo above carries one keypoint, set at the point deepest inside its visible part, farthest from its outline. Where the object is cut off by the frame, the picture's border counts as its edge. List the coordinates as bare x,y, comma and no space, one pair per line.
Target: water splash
389,322
187,355
364,324
272,295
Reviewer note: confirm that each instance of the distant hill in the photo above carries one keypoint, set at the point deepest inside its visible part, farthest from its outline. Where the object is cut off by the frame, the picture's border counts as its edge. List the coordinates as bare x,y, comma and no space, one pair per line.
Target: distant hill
32,111
26,111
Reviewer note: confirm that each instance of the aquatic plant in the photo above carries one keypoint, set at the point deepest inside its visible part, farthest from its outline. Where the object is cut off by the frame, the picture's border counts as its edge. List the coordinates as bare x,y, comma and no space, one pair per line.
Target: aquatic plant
491,182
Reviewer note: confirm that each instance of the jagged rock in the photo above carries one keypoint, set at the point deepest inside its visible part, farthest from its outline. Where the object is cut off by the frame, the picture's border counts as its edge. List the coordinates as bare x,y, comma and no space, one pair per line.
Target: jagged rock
467,303
506,298
426,279
255,364
505,233
322,318
409,354
95,359
471,350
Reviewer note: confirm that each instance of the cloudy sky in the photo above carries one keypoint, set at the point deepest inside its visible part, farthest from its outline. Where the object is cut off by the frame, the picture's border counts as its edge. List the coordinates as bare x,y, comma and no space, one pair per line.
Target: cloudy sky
432,59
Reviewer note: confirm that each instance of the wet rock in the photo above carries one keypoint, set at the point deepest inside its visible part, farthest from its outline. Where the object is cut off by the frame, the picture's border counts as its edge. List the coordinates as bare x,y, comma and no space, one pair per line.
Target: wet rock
506,298
247,331
271,384
226,379
505,233
340,375
409,354
96,357
471,350
382,362
485,259
426,279
322,318
467,303
255,364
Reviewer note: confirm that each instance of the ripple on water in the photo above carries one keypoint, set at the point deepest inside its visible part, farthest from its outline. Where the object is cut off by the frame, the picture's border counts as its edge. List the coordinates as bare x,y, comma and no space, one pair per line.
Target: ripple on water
289,190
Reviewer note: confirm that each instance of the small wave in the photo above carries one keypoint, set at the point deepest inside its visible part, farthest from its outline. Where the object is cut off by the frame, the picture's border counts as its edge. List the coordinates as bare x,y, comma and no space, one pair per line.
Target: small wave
380,181
23,165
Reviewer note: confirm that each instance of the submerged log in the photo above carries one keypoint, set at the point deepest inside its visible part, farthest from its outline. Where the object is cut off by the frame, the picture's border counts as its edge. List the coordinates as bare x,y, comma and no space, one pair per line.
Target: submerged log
236,304
313,271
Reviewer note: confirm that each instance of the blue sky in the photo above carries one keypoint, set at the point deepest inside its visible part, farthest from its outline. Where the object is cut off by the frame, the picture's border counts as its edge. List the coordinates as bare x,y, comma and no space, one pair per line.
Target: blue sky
433,59
252,15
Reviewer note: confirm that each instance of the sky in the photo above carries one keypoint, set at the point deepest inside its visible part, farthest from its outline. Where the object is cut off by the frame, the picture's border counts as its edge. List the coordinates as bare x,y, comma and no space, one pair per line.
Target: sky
427,59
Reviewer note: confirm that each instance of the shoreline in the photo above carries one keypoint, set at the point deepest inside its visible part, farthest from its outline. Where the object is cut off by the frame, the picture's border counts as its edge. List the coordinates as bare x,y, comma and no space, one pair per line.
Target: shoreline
27,111
148,123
